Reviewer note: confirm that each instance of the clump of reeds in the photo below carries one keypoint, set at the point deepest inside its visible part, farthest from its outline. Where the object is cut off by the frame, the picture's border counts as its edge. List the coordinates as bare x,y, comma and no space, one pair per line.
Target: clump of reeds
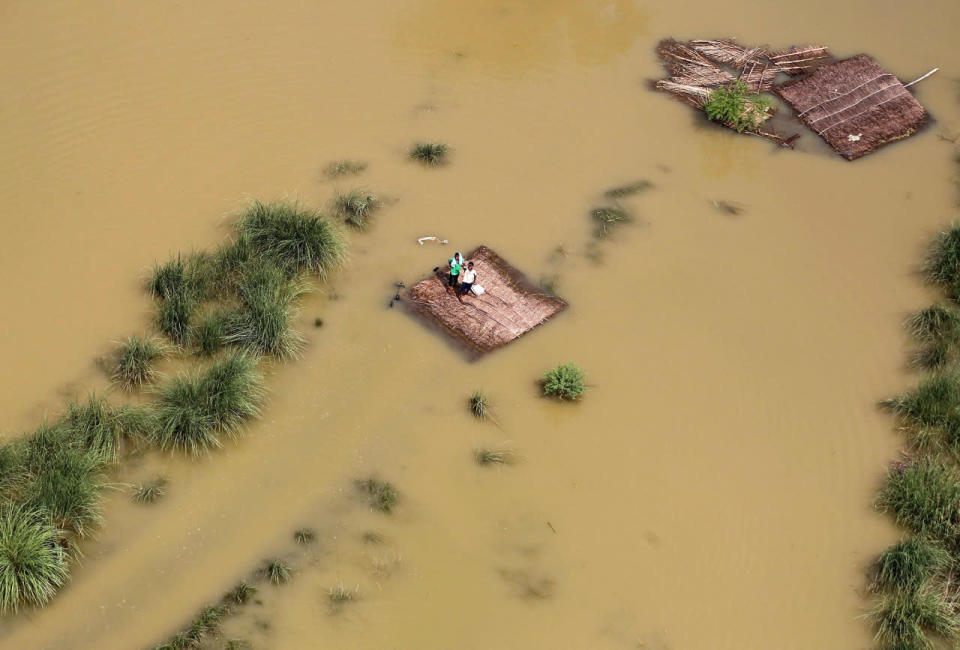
937,330
356,207
240,594
931,411
101,429
344,168
942,266
566,381
278,571
133,363
607,217
380,495
32,561
174,315
923,496
263,322
305,535
179,286
906,618
494,457
479,405
194,409
65,482
629,189
150,491
292,238
910,564
339,595
209,335
433,154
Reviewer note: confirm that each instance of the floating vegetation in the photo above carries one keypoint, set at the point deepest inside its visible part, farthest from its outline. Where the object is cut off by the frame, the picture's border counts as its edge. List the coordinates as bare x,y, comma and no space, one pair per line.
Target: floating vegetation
151,491
607,217
629,189
356,207
32,562
565,382
133,363
278,571
339,595
736,107
194,409
479,405
293,239
494,457
727,208
433,154
381,495
305,536
344,168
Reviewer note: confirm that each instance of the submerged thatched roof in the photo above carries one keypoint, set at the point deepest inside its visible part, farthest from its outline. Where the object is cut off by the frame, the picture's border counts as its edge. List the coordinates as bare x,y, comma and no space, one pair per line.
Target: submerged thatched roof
511,306
798,60
855,105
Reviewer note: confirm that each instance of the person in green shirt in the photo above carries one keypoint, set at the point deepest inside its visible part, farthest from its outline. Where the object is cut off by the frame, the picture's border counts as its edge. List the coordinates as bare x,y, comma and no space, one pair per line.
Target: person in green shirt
456,263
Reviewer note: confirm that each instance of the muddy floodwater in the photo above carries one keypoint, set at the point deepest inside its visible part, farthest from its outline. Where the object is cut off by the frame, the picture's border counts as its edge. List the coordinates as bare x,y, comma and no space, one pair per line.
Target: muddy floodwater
714,488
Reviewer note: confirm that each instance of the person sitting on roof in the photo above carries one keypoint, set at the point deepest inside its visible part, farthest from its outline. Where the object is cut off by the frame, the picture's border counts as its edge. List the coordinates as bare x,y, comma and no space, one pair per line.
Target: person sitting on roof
469,277
456,263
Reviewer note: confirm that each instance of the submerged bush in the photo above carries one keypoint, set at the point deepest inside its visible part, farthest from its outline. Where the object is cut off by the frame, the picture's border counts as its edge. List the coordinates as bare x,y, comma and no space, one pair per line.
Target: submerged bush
942,265
134,360
277,571
381,495
101,428
194,409
910,564
190,275
32,563
607,217
736,107
356,207
924,496
294,239
344,168
151,491
433,154
263,323
565,381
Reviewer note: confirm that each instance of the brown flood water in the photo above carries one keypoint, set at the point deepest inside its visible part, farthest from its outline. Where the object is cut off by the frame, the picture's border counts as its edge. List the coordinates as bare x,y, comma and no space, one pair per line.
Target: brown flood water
712,491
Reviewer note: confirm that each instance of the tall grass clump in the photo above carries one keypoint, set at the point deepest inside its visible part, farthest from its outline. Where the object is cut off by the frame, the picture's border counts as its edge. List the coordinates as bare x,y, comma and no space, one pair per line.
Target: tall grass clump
277,571
923,496
292,238
380,495
190,275
931,411
66,483
433,154
344,168
479,405
937,330
174,315
942,265
33,564
263,322
194,409
151,491
133,362
910,564
102,429
356,207
566,382
209,335
907,619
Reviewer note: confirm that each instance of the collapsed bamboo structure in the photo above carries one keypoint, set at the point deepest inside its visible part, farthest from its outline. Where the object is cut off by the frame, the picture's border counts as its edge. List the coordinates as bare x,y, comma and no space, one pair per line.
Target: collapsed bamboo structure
510,306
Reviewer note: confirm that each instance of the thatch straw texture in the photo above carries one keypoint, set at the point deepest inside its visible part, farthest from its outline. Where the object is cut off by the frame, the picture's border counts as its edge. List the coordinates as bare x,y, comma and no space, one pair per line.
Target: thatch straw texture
510,307
855,105
758,76
727,52
798,60
688,67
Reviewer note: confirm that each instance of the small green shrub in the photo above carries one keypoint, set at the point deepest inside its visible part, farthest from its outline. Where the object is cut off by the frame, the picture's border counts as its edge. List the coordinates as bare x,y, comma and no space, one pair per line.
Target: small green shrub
134,360
381,495
240,594
356,207
33,564
479,405
734,106
433,154
565,382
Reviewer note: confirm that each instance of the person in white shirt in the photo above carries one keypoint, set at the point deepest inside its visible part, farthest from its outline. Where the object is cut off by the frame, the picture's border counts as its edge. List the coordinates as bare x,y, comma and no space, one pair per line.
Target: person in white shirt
469,277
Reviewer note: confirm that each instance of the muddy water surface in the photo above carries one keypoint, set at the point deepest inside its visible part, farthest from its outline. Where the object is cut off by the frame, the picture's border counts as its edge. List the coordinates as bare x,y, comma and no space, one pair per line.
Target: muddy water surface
714,488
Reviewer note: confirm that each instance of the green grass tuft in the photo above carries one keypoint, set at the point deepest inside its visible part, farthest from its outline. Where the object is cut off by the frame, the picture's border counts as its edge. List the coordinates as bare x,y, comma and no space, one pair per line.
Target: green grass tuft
263,322
629,189
479,405
339,595
565,382
190,275
240,594
608,217
905,619
356,207
277,571
433,154
931,411
151,491
923,496
102,429
194,409
381,495
305,535
344,168
292,238
910,564
33,565
174,315
66,482
942,266
134,360
494,457
736,107
209,336
937,322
